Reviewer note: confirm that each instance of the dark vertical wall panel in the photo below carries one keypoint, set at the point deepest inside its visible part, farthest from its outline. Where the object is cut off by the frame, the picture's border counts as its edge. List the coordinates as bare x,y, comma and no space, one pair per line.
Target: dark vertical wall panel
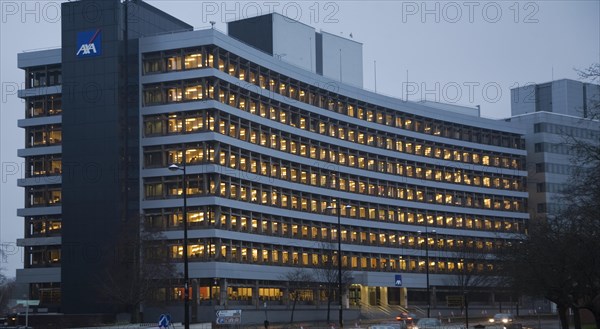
543,97
254,31
319,52
91,153
100,143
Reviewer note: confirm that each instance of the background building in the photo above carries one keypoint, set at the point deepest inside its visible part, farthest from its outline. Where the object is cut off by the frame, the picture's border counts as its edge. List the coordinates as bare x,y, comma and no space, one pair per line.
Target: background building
327,54
270,146
553,115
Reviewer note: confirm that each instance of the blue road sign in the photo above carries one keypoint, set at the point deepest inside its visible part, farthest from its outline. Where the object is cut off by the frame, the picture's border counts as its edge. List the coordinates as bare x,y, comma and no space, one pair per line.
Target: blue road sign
398,282
164,321
229,317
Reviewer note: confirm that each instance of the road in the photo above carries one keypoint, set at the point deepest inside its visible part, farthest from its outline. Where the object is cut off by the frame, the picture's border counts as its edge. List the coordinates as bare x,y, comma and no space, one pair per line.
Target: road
527,323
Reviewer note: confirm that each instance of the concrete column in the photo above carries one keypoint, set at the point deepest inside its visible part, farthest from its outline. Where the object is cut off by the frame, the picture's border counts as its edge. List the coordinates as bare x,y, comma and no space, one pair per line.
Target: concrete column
195,300
364,295
383,297
346,298
316,297
403,297
255,297
223,295
216,212
286,294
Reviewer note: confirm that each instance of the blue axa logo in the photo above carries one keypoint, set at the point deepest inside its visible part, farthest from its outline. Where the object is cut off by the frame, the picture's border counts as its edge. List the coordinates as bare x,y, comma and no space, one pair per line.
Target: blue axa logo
89,43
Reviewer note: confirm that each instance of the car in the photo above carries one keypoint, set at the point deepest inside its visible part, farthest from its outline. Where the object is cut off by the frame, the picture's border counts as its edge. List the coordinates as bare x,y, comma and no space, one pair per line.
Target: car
406,319
426,323
404,316
502,318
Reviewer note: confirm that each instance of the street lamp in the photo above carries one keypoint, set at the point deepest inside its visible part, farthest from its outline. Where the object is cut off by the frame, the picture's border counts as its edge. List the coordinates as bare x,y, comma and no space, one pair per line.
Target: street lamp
186,297
338,209
427,269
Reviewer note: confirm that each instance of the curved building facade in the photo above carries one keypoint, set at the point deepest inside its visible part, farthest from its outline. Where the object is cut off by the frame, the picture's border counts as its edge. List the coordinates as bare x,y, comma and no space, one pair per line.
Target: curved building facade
272,151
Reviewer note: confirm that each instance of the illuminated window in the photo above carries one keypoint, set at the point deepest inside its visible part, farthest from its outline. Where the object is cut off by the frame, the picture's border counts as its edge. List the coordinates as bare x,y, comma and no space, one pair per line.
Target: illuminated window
485,160
487,203
173,63
486,181
174,94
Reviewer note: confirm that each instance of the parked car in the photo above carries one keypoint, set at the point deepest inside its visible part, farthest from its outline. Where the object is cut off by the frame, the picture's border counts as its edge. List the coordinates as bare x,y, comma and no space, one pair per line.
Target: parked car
427,323
502,318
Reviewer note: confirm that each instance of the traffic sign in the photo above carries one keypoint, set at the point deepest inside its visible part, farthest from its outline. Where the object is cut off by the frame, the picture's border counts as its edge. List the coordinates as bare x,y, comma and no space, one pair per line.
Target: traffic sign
455,301
28,302
229,317
398,281
164,320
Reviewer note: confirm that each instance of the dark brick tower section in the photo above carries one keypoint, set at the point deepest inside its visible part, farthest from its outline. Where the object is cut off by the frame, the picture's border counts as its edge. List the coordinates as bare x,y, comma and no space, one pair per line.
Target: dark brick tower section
100,139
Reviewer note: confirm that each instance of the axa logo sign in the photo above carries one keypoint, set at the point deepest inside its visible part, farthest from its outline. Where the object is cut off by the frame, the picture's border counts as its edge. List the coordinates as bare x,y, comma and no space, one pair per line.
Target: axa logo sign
89,43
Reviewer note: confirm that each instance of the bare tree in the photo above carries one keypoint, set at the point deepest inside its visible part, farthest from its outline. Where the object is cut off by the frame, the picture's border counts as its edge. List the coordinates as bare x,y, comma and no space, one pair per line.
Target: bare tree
544,264
590,73
469,276
140,265
560,258
7,287
299,280
581,211
581,215
328,275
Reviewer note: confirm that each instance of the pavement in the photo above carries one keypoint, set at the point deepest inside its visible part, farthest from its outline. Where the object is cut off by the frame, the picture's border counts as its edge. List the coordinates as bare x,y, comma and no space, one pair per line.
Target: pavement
527,322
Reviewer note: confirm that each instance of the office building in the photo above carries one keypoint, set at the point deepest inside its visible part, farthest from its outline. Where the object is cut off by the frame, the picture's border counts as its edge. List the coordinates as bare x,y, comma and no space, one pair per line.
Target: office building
553,116
271,144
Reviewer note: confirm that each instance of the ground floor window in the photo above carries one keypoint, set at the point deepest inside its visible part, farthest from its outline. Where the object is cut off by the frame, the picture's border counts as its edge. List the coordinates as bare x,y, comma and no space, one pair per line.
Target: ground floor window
354,295
239,293
270,294
48,293
206,293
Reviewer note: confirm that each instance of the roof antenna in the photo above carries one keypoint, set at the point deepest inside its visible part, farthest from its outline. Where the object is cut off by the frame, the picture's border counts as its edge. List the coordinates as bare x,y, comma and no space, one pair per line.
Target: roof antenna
375,73
407,85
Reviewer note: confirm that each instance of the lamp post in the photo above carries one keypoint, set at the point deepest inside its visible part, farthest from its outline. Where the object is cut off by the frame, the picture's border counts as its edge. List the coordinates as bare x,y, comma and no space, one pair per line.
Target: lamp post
338,209
427,269
466,304
186,299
